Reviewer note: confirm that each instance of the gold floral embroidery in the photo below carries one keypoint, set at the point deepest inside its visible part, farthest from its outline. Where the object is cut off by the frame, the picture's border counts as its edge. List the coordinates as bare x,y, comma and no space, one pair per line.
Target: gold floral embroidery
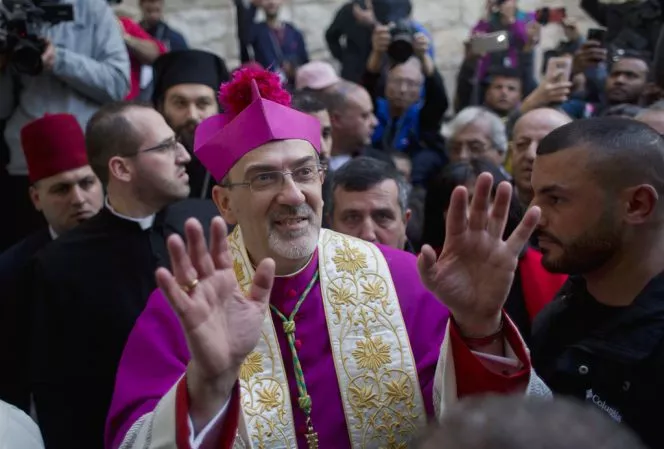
375,365
252,365
349,260
372,353
265,396
342,294
239,272
363,396
373,290
269,397
398,390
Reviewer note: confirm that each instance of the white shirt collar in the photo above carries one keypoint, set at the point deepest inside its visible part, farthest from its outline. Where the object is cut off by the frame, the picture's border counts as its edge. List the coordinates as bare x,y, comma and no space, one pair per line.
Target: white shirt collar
145,223
54,235
337,161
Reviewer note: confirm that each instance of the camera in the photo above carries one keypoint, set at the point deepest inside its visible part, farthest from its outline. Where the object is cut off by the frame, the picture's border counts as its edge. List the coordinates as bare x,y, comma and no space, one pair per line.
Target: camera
401,45
22,23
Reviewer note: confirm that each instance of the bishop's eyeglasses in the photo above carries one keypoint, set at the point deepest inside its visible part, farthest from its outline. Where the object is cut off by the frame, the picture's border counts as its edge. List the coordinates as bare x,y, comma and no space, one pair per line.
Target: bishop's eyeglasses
274,180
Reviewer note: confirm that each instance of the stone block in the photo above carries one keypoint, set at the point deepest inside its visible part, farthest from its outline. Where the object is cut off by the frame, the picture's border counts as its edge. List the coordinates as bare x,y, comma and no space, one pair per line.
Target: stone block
313,19
437,15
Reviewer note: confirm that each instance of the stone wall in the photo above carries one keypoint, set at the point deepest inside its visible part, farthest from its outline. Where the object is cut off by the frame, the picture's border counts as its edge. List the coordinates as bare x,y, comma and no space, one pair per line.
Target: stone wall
210,25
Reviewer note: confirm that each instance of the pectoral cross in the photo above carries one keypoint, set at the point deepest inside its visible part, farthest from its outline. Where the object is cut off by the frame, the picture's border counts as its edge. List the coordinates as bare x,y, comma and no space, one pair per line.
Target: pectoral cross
312,438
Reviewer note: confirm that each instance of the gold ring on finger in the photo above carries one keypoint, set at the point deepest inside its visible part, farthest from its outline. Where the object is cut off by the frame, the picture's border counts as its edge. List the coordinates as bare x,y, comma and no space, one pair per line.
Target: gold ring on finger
189,287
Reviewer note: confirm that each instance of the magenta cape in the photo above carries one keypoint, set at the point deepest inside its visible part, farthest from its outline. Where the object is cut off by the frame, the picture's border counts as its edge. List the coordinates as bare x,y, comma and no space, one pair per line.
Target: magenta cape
156,353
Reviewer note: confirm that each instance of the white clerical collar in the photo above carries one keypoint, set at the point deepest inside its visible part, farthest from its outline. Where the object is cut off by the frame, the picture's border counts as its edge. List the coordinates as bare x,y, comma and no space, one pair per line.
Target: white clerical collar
54,235
145,223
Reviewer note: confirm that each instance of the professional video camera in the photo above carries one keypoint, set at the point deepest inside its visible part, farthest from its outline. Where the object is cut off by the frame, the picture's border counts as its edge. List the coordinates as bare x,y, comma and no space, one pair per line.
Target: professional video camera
22,23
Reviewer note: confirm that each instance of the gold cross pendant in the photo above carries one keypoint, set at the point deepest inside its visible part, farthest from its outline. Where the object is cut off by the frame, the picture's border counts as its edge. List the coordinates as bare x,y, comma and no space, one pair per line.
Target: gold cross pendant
312,438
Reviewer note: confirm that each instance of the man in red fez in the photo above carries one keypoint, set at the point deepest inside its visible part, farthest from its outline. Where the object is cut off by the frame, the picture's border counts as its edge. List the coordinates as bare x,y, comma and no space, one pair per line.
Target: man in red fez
66,191
63,186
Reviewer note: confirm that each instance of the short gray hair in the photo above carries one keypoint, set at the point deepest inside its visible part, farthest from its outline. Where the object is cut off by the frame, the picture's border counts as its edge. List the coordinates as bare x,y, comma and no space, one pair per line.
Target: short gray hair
498,130
362,173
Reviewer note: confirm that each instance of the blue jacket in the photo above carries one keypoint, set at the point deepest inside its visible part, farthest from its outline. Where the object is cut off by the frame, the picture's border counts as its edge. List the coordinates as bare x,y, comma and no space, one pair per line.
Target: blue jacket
407,126
266,48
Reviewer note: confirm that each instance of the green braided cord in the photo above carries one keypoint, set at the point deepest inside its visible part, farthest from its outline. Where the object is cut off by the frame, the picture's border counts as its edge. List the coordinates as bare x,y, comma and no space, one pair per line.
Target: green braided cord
304,400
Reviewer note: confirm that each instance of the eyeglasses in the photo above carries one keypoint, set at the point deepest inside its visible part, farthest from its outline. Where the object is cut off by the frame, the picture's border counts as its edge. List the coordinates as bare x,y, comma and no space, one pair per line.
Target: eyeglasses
273,180
169,146
475,147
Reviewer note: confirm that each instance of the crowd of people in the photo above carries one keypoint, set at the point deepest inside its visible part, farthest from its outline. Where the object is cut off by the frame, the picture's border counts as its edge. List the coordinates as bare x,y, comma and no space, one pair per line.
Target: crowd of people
283,254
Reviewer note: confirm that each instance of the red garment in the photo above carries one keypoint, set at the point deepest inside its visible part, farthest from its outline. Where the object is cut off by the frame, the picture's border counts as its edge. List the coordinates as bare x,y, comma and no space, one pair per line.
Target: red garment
539,286
472,377
134,30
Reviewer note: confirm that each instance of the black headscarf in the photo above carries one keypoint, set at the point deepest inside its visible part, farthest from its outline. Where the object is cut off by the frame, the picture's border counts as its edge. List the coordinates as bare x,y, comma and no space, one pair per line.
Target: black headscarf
187,67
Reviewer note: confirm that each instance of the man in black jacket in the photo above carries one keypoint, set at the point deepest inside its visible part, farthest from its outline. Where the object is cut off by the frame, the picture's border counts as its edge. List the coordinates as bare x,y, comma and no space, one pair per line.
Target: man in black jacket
598,183
91,284
66,191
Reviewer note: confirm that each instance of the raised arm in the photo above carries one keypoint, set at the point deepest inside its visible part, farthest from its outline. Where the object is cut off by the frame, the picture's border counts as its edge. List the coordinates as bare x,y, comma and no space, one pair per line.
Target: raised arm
335,31
104,76
472,277
210,307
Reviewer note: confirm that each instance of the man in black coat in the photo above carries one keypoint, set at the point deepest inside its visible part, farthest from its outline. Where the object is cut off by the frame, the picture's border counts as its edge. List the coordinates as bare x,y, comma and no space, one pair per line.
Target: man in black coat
599,185
91,284
67,192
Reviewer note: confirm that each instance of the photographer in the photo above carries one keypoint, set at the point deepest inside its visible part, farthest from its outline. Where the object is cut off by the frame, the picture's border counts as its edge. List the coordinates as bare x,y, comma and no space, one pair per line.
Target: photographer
406,122
85,65
349,35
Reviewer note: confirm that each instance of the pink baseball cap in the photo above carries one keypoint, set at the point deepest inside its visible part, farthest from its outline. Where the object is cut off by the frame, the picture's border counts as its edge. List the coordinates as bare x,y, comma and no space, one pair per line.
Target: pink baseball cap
316,75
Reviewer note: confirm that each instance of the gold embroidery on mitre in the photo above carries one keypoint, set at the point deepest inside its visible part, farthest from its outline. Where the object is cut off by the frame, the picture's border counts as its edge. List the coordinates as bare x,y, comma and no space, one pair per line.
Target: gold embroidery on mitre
374,362
265,395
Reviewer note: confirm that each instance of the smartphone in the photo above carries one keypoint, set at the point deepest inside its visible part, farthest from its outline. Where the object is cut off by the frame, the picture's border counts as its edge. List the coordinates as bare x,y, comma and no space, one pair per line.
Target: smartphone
490,43
558,69
596,34
550,15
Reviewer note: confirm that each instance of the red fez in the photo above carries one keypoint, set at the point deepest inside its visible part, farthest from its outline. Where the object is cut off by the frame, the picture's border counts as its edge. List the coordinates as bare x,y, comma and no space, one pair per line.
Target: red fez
53,144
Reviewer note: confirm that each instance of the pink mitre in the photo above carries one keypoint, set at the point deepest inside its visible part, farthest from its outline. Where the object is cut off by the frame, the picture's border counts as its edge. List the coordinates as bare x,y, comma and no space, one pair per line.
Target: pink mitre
256,111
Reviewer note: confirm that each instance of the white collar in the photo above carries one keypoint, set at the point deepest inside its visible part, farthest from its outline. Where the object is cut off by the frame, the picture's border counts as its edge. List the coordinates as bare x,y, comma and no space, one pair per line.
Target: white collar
54,235
145,223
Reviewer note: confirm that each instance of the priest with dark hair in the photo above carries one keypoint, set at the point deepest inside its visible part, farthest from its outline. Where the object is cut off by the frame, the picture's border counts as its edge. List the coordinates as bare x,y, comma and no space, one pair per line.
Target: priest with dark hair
91,284
185,93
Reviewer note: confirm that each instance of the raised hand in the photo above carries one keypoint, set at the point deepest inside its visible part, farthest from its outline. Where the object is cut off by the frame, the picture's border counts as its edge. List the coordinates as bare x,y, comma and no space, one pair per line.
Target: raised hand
475,270
222,325
365,16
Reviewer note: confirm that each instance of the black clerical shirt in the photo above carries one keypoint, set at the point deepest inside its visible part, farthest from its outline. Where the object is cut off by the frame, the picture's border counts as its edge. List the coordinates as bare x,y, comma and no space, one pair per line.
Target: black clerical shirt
90,285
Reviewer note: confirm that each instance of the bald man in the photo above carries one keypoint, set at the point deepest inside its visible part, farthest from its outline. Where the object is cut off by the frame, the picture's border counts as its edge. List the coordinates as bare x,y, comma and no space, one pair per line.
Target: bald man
653,118
532,127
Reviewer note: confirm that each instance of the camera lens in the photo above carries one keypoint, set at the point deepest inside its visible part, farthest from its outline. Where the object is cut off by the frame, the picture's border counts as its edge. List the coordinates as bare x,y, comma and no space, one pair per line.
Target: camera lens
401,46
26,57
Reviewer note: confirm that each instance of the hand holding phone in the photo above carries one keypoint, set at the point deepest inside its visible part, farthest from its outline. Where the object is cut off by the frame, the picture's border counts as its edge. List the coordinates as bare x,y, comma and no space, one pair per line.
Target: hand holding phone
482,44
558,69
596,35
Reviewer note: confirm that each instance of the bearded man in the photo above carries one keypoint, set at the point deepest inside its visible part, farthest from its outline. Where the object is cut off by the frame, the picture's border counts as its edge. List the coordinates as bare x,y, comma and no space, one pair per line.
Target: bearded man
277,379
185,84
